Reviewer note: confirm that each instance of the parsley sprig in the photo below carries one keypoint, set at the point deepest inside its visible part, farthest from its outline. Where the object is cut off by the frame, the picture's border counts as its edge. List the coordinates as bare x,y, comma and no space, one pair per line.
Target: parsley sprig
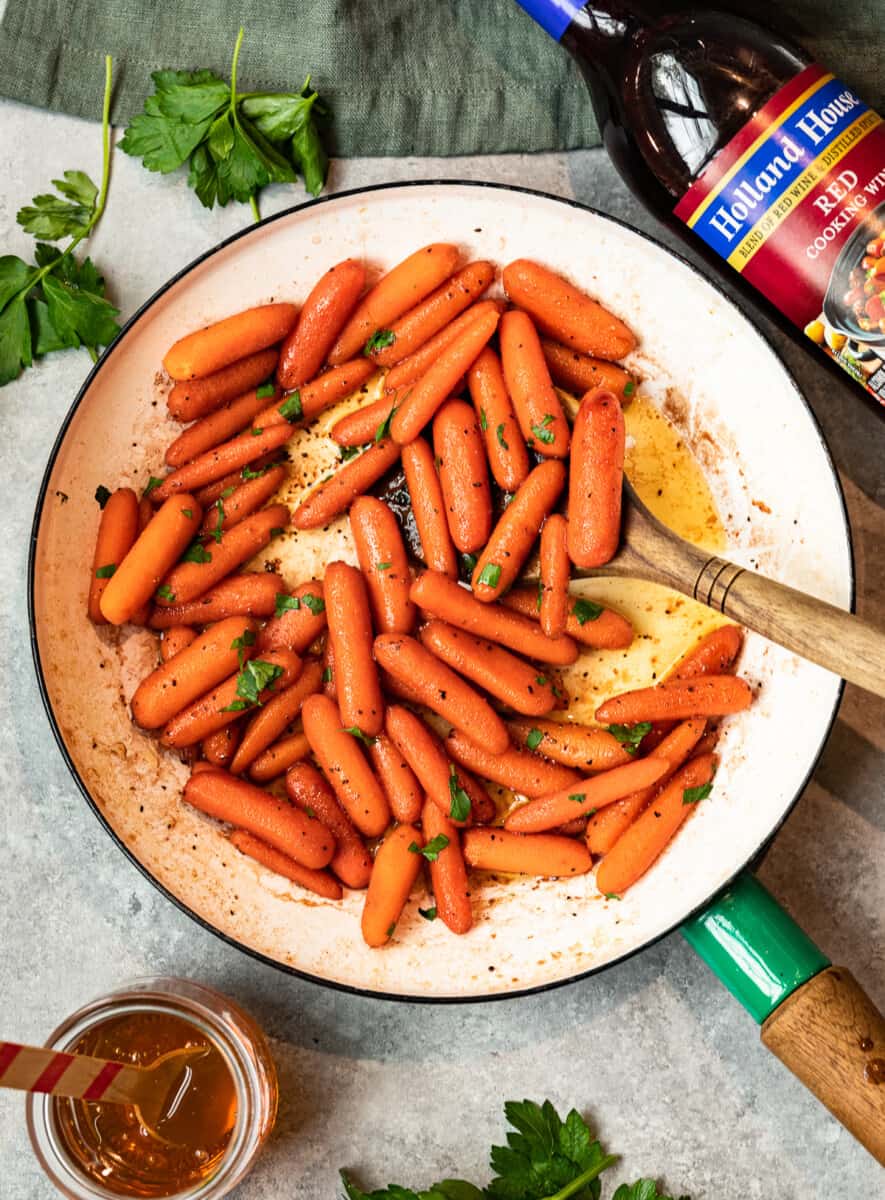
545,1158
58,302
235,143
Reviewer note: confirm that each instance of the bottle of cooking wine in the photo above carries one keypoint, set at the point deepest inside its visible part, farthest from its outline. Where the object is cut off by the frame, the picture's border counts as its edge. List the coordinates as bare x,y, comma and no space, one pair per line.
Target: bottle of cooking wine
731,132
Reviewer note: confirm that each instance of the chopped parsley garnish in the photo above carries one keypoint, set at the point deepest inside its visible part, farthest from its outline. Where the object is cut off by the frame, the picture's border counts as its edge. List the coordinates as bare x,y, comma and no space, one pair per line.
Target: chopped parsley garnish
327,675
533,739
254,677
460,806
247,473
630,736
276,531
383,566
490,575
355,731
105,572
433,849
578,797
429,914
499,434
541,680
585,610
292,408
542,432
346,453
265,391
612,896
196,553
165,592
152,483
257,431
241,643
102,495
696,794
316,604
228,491
468,562
188,512
285,604
629,387
380,340
483,420
540,596
391,929
383,429
218,532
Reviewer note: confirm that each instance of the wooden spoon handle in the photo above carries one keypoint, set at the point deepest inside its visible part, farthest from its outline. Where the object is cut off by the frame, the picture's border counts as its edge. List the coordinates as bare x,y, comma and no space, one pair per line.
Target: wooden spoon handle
820,632
36,1069
832,1037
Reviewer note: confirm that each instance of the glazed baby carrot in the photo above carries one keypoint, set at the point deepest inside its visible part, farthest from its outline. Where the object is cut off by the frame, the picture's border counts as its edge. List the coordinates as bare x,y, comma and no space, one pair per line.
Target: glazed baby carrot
330,688
175,639
220,747
236,503
276,759
705,696
428,508
406,372
587,622
713,655
117,531
338,753
384,564
596,480
505,446
227,702
649,835
322,318
152,554
585,797
230,456
566,313
334,497
545,854
510,679
217,427
195,398
438,382
321,393
579,373
440,689
517,769
606,826
350,630
146,513
517,531
423,752
463,472
223,487
397,778
419,324
307,789
217,346
448,874
242,804
580,746
397,863
320,882
194,578
252,594
537,406
446,599
208,660
394,294
361,426
276,715
555,570
301,621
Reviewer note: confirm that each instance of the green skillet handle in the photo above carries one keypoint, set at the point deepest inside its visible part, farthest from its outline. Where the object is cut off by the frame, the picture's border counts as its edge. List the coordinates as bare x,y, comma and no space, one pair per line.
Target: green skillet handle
814,1017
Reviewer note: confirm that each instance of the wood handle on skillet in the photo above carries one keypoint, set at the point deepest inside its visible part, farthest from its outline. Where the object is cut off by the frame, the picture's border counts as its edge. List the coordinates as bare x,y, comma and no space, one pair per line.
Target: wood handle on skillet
832,1037
818,631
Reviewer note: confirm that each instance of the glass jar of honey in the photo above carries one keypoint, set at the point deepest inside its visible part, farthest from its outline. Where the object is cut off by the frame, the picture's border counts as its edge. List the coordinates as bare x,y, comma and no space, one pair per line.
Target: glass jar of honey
225,1107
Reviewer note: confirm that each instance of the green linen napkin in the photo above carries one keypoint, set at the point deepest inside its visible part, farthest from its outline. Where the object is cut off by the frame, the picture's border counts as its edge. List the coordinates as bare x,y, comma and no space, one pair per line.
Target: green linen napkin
425,77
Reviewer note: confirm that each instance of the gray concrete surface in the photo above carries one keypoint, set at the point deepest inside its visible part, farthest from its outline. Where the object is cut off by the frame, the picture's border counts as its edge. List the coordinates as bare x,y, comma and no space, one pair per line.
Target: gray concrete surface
654,1051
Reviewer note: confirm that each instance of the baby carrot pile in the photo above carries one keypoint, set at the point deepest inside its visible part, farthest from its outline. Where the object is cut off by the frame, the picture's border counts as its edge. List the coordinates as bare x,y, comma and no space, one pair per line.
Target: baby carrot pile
345,728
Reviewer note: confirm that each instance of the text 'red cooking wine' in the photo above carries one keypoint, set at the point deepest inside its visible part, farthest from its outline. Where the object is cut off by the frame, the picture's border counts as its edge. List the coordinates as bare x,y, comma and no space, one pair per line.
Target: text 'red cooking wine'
778,166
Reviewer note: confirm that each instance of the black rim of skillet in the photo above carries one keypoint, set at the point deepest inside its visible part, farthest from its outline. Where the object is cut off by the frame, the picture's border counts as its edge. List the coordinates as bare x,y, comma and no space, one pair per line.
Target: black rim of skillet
41,681
836,311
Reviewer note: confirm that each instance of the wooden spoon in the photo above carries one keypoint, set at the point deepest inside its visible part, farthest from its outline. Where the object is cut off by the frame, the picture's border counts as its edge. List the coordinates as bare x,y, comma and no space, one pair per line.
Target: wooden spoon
155,1090
820,632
